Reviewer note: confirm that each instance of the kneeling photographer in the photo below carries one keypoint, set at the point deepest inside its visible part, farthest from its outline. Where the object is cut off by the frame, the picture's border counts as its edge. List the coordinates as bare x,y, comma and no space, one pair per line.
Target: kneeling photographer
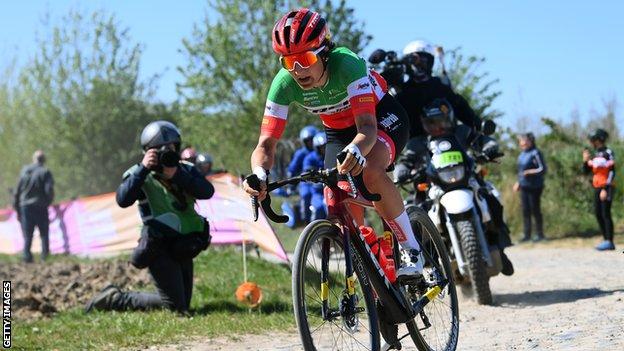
173,232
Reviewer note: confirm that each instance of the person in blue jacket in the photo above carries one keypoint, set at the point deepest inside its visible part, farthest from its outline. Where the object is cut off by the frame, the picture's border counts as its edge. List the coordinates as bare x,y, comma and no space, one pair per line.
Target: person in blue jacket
315,160
296,167
531,171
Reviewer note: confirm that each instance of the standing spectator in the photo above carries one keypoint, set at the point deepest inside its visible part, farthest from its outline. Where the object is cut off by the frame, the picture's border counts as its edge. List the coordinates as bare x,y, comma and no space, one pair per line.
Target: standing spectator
602,164
33,195
530,184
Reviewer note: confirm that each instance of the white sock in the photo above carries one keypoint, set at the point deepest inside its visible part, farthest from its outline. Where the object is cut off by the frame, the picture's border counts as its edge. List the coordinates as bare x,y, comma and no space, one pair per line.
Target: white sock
402,228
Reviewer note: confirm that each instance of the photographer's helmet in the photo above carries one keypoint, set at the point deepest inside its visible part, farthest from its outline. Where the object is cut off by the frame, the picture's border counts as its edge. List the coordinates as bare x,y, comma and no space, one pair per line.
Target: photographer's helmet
420,55
438,117
160,133
599,134
320,139
299,31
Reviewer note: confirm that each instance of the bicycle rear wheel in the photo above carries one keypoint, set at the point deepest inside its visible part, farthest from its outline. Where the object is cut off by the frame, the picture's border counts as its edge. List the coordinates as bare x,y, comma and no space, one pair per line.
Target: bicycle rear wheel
339,329
437,326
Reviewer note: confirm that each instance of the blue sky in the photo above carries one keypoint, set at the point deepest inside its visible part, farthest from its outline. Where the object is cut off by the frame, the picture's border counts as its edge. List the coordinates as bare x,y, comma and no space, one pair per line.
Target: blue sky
551,56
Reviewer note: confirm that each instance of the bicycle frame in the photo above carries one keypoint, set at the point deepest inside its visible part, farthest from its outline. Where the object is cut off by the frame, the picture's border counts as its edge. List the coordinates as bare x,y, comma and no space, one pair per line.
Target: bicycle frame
396,306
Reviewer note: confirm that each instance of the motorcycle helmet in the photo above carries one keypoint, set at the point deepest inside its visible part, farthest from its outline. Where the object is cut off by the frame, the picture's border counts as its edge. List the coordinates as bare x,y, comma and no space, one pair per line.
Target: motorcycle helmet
438,117
320,139
599,134
419,57
160,133
203,163
299,31
307,133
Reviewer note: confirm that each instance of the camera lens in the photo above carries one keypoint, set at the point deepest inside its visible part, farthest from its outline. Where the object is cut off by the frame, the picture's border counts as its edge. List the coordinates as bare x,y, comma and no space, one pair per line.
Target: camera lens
169,158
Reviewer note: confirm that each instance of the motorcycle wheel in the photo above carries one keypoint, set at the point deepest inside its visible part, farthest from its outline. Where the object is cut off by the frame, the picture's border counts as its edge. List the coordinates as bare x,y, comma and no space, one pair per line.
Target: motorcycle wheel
479,278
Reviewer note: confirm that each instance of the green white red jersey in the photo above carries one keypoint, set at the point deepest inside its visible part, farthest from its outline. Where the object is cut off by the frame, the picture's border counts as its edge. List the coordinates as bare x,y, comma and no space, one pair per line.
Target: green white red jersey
351,90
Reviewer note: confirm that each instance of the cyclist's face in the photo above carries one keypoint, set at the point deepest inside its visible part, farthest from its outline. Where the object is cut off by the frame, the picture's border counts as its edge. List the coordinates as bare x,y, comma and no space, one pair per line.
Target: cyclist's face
310,77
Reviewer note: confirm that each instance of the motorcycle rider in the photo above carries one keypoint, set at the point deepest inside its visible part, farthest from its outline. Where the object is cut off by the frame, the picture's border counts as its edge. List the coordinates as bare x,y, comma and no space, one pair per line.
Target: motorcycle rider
421,88
602,164
316,160
438,119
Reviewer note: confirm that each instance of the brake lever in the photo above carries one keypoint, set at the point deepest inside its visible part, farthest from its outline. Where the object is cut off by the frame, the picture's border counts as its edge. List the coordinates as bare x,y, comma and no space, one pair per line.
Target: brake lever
254,182
357,182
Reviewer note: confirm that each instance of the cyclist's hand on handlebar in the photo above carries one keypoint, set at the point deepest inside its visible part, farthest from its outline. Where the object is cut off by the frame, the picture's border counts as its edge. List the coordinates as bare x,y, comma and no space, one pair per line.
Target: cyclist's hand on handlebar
354,162
261,194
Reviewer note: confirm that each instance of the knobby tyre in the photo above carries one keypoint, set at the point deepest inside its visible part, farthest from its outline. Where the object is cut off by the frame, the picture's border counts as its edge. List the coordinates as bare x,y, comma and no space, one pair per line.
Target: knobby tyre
479,278
356,332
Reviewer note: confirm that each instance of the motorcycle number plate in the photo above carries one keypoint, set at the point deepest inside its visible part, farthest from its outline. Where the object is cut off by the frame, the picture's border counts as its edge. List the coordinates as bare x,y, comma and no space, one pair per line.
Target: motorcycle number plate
446,159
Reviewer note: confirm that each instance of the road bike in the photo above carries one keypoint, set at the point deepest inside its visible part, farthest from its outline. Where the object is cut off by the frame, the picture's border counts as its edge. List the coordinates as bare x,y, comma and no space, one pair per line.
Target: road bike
343,299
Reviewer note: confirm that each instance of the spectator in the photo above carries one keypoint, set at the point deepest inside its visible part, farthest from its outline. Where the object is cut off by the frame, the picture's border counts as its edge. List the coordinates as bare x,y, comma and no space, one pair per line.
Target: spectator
33,195
602,164
530,184
173,232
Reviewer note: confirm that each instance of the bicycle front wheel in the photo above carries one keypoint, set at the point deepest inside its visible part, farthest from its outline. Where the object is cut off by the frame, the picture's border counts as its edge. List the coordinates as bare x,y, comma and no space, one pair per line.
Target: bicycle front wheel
328,318
436,328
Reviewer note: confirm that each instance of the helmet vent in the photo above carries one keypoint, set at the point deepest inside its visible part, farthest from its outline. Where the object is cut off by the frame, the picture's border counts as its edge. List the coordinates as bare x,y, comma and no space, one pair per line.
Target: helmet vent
317,30
302,26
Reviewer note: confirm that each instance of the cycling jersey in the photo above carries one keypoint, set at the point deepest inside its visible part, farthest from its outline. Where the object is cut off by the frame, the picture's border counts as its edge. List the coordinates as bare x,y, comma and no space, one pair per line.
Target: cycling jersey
351,90
602,164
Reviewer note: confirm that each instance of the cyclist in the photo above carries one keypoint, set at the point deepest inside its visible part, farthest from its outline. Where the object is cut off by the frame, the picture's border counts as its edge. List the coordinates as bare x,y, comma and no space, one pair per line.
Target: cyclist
602,164
316,160
295,168
358,115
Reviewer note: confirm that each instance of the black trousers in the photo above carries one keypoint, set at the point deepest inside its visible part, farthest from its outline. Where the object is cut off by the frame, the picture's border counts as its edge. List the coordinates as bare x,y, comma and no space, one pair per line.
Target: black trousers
603,213
531,208
32,216
174,283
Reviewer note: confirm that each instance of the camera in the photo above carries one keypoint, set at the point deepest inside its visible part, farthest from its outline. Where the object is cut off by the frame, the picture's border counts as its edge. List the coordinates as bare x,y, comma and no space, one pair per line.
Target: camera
167,157
393,69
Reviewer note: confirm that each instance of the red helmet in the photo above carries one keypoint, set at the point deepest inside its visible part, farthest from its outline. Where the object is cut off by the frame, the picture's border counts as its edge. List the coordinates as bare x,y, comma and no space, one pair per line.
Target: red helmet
299,31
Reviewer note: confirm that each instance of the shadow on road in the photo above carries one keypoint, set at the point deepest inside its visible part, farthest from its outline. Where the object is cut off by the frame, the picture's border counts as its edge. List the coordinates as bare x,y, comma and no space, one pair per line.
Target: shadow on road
220,306
548,297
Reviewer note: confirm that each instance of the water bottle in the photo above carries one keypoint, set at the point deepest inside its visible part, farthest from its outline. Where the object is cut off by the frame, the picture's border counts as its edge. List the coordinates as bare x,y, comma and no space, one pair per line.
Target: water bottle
387,250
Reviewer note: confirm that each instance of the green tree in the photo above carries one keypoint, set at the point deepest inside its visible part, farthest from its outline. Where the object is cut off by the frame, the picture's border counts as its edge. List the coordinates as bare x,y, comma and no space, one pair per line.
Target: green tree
80,99
230,67
469,80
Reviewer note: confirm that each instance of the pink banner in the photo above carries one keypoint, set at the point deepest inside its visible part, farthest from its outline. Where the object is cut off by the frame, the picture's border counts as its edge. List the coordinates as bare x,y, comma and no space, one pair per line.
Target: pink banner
96,225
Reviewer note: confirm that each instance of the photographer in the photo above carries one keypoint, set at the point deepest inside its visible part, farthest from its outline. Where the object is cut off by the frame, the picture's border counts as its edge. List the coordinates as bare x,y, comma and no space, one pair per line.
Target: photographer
173,232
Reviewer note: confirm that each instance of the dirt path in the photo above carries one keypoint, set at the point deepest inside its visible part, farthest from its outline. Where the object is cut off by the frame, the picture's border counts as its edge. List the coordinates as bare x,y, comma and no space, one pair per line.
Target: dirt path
559,299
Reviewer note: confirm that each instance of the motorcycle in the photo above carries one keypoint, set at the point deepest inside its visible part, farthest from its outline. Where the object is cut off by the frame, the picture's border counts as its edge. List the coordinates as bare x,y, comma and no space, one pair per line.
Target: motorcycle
448,186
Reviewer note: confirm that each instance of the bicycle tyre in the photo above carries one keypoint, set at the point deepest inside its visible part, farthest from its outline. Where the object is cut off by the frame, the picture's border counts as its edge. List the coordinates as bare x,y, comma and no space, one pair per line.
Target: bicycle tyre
420,220
317,230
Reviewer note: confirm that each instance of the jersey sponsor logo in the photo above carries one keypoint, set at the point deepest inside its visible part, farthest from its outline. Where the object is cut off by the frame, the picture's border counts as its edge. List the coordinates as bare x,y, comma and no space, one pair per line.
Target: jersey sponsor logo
329,109
362,86
366,99
388,121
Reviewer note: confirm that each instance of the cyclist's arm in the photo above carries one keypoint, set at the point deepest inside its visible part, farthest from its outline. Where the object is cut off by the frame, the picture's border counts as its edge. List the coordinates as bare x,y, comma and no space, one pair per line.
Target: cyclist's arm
367,132
264,153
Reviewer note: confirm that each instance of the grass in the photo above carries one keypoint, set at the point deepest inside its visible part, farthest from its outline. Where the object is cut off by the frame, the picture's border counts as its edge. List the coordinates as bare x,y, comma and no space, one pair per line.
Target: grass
214,312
